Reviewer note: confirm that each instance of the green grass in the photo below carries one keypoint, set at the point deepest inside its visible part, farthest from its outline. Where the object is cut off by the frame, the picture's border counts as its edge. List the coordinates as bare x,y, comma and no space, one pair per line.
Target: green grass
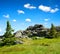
42,46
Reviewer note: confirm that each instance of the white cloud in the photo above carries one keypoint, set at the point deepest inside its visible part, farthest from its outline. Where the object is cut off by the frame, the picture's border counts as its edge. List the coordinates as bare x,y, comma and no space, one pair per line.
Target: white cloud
46,19
14,20
54,10
29,6
28,20
6,16
44,8
48,9
20,11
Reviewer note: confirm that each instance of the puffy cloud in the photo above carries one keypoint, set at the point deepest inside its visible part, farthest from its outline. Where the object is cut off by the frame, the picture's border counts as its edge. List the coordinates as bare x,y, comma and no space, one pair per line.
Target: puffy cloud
48,9
44,8
29,6
54,10
14,20
46,19
6,16
20,11
28,20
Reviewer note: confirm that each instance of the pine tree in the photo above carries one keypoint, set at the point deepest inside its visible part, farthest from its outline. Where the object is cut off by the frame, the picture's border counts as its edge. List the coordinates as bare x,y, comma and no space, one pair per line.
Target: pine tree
9,38
9,31
52,33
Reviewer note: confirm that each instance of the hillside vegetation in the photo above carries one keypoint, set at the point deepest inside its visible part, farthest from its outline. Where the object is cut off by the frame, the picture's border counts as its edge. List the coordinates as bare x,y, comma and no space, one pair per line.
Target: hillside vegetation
39,46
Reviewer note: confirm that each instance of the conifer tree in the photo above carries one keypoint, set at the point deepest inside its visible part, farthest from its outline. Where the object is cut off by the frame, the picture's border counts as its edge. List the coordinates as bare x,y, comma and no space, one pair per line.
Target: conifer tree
9,38
52,31
9,31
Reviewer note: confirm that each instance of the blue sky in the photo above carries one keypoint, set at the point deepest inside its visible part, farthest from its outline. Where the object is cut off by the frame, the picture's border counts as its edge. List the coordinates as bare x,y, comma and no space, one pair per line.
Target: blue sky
23,13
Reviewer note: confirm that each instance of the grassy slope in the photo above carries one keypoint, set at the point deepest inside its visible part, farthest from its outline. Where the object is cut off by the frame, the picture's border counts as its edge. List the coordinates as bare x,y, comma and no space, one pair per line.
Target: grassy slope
43,46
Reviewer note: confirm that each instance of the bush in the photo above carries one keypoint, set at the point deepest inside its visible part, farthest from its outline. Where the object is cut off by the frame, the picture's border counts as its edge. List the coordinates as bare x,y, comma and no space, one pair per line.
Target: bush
8,41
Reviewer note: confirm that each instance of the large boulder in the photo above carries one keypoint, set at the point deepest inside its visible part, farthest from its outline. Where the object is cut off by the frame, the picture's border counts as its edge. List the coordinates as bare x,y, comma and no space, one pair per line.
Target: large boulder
18,34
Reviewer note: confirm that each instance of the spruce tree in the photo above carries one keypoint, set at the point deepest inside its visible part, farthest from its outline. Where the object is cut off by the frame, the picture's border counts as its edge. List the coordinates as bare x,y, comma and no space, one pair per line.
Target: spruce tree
52,33
9,31
9,38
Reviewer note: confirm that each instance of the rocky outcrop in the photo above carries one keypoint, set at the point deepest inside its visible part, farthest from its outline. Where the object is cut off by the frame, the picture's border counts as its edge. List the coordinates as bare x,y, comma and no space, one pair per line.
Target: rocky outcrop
36,30
20,34
58,28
